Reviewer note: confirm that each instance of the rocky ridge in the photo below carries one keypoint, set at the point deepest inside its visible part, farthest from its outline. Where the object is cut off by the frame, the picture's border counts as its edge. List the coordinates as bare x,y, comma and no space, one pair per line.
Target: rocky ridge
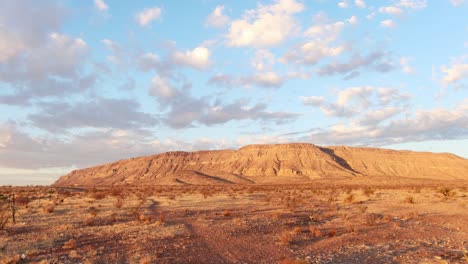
270,164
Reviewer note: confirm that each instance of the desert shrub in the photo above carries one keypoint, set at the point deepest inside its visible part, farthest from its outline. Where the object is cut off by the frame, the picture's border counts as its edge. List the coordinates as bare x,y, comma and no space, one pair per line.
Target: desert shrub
331,233
349,198
226,213
93,211
90,221
119,202
446,191
409,199
285,238
368,192
49,208
99,195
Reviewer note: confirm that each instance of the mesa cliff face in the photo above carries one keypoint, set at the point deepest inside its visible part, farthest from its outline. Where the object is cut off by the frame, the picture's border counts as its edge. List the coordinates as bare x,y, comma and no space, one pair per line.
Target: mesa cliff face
282,163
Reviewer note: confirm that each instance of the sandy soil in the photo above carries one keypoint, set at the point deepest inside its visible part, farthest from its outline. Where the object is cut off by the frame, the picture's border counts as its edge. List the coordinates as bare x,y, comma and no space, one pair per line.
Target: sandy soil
349,222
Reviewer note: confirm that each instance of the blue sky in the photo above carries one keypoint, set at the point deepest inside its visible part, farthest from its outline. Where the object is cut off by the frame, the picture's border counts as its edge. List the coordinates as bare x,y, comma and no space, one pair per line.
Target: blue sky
88,82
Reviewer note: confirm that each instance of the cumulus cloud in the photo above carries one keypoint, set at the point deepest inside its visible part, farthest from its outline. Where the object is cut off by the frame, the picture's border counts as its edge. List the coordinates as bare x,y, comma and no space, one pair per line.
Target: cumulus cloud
457,2
101,5
388,23
198,58
387,119
353,20
319,43
405,65
94,113
263,60
162,89
96,146
35,75
343,4
360,3
357,100
185,110
413,4
268,25
456,72
264,79
424,125
216,18
377,61
391,10
147,15
27,71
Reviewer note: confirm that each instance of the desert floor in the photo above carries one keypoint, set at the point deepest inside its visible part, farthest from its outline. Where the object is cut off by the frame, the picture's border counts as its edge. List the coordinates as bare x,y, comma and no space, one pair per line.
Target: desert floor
321,222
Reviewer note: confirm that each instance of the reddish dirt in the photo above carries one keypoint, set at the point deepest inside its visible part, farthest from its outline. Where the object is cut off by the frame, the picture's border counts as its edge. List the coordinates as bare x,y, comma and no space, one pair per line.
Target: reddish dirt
412,222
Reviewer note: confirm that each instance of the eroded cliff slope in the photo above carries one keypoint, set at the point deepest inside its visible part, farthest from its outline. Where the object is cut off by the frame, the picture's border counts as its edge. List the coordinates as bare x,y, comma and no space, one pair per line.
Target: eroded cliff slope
281,163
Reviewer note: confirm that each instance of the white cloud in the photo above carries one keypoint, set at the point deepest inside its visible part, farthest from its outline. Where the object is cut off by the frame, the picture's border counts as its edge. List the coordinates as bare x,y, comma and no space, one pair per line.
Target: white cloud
353,20
413,4
10,44
268,25
147,15
360,3
319,44
217,18
266,79
388,23
101,5
354,101
198,58
371,15
405,65
263,60
391,10
457,2
454,73
343,4
162,89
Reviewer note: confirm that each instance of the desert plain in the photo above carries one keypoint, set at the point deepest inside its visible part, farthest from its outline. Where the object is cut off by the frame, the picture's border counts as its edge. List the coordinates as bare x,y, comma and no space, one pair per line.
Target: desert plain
348,219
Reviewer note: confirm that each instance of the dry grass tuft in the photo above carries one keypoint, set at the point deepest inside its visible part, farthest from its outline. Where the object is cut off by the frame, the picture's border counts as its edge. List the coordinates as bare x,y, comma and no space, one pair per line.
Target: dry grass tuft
226,213
409,199
349,198
48,209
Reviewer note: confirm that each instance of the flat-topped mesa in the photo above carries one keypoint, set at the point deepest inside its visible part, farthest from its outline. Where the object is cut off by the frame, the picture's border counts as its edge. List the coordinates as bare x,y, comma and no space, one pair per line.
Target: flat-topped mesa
275,163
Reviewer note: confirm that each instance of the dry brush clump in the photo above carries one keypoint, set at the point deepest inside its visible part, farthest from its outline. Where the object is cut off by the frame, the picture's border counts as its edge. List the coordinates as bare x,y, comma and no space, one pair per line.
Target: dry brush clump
446,191
49,208
368,191
350,198
410,200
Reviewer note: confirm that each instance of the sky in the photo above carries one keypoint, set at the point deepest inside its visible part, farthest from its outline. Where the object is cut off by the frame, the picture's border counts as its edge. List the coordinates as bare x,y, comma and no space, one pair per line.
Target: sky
89,82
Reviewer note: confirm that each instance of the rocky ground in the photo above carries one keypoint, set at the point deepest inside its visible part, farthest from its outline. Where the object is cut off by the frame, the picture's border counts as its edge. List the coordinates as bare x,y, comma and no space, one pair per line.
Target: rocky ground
412,222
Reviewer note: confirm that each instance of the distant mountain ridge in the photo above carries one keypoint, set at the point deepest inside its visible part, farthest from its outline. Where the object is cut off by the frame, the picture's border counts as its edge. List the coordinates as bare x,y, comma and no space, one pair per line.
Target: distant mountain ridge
269,164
